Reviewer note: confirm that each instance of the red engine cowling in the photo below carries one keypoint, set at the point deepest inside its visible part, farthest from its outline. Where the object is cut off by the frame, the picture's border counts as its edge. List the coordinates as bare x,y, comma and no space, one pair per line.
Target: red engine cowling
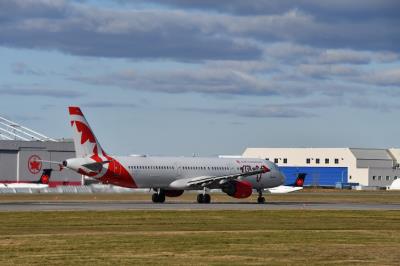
238,189
173,193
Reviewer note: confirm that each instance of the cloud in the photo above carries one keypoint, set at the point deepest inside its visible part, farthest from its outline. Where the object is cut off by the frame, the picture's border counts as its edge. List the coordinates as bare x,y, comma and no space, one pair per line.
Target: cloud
20,68
14,10
25,118
386,77
106,104
305,109
327,71
275,49
328,10
262,112
90,31
85,30
343,56
366,103
223,80
53,93
208,80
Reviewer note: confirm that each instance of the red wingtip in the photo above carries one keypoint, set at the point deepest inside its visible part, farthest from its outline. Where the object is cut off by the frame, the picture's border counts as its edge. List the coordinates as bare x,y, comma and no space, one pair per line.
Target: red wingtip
73,110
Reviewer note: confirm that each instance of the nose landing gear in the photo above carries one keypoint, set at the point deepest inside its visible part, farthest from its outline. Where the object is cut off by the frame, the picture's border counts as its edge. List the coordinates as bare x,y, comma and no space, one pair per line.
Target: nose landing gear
260,198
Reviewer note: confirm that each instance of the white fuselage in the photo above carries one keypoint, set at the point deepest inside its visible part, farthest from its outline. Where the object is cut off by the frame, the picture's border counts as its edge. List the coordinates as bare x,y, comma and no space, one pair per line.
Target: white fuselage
160,172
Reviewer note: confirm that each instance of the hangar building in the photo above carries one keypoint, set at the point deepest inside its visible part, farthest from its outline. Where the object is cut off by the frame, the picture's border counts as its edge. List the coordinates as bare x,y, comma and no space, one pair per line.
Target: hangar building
22,151
332,166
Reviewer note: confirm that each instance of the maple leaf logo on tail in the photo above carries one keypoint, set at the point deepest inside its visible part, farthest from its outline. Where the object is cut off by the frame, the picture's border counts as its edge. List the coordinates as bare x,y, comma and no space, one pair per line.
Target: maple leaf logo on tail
300,180
85,141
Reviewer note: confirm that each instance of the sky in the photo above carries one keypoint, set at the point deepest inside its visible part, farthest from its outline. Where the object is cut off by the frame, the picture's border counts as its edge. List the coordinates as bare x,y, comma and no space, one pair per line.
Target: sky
174,77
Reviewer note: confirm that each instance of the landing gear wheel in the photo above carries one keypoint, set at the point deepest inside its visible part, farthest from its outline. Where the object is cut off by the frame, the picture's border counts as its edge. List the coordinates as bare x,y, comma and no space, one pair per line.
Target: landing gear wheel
207,198
161,197
261,200
203,198
200,198
158,197
154,197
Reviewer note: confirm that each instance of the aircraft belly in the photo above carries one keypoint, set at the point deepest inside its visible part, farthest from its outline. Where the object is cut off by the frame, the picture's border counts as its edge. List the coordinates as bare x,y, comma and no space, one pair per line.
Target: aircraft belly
153,181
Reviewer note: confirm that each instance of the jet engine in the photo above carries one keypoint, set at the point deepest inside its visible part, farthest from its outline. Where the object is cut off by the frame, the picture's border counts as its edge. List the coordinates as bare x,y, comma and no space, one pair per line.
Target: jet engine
237,189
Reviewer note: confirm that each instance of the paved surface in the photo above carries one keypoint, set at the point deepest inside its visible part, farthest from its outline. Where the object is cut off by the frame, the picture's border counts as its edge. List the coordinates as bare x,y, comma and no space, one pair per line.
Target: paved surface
140,205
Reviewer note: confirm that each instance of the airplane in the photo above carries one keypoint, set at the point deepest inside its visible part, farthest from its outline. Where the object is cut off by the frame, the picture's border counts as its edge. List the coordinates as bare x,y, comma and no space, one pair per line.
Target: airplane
169,176
297,185
43,182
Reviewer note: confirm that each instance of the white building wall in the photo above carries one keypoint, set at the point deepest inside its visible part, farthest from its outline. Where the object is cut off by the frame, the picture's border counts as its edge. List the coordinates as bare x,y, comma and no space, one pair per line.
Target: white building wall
298,156
362,164
382,176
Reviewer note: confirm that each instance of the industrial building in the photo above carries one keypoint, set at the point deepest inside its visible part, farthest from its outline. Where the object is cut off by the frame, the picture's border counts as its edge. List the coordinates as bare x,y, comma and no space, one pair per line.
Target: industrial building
334,166
23,152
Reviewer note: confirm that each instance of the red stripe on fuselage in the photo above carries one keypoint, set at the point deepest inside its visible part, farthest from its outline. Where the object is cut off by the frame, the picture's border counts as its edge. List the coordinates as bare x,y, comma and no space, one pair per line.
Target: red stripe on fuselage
117,175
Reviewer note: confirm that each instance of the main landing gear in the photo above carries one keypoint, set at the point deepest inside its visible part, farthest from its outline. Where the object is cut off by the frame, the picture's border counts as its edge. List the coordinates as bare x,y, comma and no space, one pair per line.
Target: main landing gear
260,198
204,197
159,196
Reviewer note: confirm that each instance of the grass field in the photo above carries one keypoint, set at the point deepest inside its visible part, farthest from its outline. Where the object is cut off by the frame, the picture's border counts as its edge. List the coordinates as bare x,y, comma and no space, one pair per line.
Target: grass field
200,237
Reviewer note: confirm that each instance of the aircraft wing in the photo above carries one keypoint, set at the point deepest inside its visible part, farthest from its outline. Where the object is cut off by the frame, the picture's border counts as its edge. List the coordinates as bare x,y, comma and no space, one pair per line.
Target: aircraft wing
297,185
95,167
210,181
283,189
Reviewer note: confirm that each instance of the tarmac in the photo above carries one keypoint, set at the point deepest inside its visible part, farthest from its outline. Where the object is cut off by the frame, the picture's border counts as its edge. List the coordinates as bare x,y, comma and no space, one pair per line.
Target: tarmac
174,206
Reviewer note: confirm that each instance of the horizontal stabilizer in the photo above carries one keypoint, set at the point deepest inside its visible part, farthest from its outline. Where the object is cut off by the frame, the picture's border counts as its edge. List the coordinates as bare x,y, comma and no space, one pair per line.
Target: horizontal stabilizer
95,167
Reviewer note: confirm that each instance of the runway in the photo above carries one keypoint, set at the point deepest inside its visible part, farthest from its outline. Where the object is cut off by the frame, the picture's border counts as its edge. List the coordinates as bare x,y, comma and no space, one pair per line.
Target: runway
174,206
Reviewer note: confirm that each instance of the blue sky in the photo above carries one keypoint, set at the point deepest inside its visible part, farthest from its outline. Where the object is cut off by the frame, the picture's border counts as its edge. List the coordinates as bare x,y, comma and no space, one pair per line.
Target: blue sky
208,77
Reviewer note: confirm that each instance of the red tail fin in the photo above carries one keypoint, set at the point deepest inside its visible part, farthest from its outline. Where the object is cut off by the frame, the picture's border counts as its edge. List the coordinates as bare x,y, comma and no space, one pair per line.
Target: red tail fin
85,141
45,177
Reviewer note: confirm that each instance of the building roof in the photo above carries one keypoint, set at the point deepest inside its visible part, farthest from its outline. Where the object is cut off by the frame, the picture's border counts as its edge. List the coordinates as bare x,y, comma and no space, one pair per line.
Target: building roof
371,154
15,145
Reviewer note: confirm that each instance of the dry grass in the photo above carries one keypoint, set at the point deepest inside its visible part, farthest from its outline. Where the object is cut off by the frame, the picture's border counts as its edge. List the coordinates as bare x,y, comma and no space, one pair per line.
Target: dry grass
200,237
